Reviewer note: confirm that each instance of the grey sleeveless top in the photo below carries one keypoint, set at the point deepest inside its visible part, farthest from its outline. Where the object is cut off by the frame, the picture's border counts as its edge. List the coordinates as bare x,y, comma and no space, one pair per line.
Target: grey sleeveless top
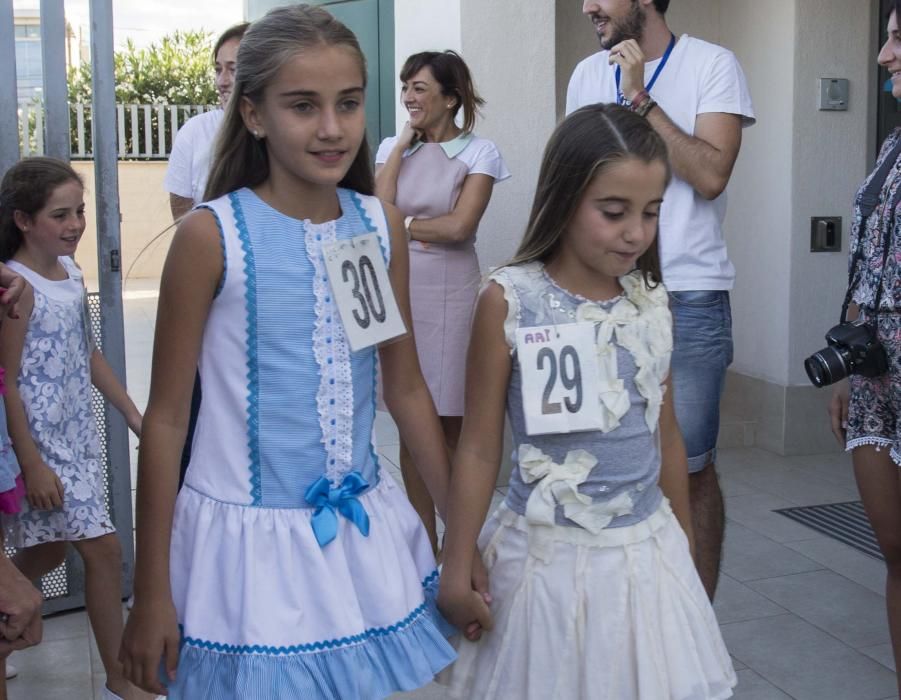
602,478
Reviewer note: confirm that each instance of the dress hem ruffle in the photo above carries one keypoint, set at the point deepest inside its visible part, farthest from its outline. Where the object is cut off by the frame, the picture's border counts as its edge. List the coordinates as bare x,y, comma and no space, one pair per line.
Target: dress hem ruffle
374,664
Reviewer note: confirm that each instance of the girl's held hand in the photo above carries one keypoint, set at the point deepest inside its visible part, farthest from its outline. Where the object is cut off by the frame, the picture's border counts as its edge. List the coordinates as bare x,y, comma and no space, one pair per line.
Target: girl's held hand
150,637
838,410
135,422
465,609
43,489
480,577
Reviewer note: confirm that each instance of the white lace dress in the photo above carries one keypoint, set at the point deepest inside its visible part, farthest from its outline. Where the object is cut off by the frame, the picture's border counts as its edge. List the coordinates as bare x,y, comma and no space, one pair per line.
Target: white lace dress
55,385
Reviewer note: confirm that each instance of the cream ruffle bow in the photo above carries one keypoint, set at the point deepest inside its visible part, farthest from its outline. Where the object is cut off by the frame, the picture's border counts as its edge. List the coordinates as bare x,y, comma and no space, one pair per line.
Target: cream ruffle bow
649,343
558,484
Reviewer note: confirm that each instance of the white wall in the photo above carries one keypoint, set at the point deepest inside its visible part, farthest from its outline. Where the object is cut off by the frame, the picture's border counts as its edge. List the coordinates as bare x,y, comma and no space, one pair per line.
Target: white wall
511,52
831,158
576,39
423,25
701,18
759,214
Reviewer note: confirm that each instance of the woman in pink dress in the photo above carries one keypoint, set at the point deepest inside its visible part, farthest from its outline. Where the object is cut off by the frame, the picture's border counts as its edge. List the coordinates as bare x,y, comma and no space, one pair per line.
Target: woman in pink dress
440,175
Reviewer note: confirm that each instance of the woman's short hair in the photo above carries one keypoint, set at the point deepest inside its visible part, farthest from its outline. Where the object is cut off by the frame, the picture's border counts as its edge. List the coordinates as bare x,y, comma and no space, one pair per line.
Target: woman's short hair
452,74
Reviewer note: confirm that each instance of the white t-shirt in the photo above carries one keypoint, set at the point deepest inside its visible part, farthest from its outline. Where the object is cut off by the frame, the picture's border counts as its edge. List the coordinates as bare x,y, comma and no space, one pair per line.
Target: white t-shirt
192,152
699,78
480,155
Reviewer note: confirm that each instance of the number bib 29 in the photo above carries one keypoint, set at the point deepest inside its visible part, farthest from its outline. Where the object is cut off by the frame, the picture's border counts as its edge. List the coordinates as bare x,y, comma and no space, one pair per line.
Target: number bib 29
362,291
560,387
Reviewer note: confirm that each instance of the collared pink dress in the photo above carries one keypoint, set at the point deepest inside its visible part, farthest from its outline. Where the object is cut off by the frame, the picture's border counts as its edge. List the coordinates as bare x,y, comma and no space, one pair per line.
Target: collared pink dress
444,277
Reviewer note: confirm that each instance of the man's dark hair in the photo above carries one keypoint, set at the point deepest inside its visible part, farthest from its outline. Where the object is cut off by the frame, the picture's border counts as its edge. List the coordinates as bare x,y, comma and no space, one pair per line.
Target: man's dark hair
896,8
661,5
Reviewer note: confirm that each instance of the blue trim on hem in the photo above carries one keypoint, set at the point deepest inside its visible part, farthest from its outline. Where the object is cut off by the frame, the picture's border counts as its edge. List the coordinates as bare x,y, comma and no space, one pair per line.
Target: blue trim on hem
215,214
253,388
428,585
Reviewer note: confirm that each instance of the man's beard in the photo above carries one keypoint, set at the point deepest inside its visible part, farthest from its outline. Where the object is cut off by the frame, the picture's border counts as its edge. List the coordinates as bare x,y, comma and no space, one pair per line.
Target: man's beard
629,27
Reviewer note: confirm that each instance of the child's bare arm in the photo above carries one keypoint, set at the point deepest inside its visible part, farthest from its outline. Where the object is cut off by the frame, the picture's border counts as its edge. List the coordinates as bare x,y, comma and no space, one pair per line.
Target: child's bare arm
477,458
674,464
190,277
44,490
108,383
405,391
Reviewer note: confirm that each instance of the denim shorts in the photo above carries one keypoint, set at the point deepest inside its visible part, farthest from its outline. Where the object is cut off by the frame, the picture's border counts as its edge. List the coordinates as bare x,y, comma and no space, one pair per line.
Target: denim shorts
702,350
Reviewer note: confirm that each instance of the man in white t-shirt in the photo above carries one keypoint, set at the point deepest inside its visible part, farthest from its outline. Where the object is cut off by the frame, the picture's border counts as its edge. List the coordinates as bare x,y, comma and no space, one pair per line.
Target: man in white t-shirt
189,161
695,96
189,169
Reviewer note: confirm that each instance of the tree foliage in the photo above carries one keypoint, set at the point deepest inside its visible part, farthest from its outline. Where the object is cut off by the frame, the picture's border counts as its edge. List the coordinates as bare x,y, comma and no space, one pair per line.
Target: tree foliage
176,70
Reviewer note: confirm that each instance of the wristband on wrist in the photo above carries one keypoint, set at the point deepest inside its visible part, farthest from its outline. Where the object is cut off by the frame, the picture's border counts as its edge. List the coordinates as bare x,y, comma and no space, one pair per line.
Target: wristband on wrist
407,222
645,107
636,101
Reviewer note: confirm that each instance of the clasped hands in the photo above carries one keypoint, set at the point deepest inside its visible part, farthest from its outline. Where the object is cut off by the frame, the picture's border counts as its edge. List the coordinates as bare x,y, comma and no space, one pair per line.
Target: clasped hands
463,599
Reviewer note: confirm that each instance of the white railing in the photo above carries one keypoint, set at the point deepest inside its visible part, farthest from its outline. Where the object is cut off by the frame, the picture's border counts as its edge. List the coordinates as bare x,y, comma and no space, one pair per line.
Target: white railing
145,132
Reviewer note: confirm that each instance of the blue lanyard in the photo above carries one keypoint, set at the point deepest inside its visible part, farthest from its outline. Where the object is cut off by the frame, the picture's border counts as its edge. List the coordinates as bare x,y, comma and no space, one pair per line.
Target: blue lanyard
620,98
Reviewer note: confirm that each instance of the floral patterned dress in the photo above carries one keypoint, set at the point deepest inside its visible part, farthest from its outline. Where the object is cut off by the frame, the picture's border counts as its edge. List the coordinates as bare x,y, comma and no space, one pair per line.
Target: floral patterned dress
55,386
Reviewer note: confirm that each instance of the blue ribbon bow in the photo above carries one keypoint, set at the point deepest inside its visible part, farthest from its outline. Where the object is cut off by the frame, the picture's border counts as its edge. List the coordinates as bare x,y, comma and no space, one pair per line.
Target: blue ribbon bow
329,501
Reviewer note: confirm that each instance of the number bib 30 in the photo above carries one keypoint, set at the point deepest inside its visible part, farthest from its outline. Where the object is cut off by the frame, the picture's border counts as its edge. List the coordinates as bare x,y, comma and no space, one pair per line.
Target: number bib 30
560,386
362,291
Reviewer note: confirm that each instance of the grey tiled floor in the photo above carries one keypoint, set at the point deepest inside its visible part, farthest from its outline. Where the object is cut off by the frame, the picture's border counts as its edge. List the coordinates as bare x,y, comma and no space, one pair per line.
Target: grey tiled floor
802,615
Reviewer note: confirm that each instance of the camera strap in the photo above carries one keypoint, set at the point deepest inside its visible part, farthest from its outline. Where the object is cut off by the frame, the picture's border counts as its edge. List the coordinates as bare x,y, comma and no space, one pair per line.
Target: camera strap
867,203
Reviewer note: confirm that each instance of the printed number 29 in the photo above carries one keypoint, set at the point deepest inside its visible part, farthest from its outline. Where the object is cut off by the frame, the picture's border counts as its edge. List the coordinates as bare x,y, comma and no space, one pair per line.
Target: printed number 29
570,373
366,290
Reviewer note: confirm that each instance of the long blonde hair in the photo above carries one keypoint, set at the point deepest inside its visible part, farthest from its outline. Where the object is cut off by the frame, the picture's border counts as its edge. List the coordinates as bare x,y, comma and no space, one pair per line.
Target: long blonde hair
239,159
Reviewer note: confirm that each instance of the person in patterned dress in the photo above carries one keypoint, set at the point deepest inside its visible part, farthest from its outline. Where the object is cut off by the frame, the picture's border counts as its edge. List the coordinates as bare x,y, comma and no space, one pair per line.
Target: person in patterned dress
49,350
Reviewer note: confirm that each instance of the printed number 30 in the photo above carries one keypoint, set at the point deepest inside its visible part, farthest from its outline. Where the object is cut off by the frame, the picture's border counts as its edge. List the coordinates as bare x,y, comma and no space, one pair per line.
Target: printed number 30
371,302
570,375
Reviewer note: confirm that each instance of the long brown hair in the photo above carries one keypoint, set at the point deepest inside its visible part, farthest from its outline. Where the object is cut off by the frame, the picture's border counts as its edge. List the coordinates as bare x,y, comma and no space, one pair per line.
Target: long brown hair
586,142
454,77
26,187
240,160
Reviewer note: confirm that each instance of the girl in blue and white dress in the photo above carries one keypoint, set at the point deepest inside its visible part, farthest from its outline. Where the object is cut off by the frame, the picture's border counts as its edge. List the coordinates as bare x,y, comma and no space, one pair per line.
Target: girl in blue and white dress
51,362
595,596
289,565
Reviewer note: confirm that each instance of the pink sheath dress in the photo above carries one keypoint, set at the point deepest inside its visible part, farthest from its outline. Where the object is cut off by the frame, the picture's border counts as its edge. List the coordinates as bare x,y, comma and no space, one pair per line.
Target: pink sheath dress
444,277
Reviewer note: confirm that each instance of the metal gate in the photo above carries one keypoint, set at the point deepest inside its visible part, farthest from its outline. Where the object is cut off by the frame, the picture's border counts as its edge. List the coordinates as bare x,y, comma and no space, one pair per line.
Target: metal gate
64,587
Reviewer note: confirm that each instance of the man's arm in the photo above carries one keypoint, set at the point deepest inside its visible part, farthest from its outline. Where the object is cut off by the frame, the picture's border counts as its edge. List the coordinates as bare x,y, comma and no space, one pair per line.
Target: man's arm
705,160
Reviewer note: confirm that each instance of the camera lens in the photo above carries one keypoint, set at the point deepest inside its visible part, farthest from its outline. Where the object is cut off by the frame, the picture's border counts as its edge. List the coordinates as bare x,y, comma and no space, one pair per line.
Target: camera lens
826,366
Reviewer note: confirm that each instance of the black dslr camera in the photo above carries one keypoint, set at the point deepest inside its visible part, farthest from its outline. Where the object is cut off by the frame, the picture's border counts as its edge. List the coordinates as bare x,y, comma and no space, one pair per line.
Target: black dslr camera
852,349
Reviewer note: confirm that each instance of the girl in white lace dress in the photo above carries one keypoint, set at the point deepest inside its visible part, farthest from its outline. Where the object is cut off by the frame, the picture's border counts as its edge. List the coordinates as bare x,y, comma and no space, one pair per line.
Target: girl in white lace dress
594,593
51,363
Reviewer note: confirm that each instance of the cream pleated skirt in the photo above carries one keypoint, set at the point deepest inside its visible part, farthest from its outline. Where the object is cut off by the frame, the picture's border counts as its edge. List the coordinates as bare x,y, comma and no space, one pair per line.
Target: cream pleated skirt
616,616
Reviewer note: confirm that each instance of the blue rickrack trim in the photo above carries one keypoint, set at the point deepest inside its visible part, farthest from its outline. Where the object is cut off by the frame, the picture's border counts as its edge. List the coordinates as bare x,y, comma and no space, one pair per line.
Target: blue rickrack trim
215,214
253,388
371,633
361,210
375,392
